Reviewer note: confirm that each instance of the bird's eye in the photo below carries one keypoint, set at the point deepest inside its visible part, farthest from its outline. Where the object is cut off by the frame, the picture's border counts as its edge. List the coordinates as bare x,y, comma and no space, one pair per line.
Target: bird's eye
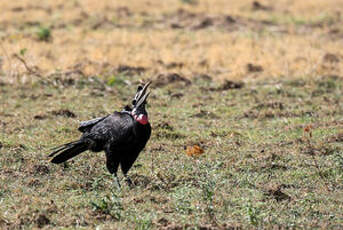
139,88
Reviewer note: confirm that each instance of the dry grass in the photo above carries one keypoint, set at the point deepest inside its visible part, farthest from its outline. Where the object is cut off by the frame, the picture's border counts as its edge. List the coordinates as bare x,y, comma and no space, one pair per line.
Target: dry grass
223,155
289,39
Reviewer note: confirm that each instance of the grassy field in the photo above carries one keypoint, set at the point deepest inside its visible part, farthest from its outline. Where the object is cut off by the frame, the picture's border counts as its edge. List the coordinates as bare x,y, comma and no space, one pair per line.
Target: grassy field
246,110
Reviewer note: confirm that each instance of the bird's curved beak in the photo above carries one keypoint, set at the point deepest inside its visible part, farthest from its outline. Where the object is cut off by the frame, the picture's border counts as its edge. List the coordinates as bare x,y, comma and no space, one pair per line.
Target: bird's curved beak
143,95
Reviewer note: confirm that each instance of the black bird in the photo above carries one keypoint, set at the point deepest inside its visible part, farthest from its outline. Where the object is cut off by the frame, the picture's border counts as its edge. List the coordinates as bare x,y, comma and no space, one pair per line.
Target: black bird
122,135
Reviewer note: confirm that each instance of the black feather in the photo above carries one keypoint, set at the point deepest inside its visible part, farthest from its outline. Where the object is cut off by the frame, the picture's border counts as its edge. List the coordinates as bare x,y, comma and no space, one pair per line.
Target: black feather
69,152
118,134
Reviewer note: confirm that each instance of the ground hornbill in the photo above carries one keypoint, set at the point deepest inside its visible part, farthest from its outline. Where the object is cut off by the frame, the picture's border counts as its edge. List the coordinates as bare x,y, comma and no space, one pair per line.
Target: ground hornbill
122,135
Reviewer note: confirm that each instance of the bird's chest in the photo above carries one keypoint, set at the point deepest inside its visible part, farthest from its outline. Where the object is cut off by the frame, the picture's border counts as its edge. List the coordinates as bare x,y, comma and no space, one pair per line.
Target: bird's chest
140,139
133,141
141,135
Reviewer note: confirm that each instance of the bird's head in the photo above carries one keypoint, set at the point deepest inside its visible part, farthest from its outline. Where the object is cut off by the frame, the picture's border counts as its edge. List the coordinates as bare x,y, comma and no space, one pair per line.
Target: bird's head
138,112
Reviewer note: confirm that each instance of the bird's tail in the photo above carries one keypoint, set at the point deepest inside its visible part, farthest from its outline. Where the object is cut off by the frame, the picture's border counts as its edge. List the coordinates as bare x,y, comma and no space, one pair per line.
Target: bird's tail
68,151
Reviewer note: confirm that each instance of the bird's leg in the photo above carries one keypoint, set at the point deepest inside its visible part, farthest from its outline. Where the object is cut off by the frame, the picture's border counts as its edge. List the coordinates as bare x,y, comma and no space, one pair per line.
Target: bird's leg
128,181
117,180
125,167
112,166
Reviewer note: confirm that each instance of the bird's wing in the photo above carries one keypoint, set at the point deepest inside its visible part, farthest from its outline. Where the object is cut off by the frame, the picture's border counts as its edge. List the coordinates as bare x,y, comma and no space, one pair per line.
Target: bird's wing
116,128
86,125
